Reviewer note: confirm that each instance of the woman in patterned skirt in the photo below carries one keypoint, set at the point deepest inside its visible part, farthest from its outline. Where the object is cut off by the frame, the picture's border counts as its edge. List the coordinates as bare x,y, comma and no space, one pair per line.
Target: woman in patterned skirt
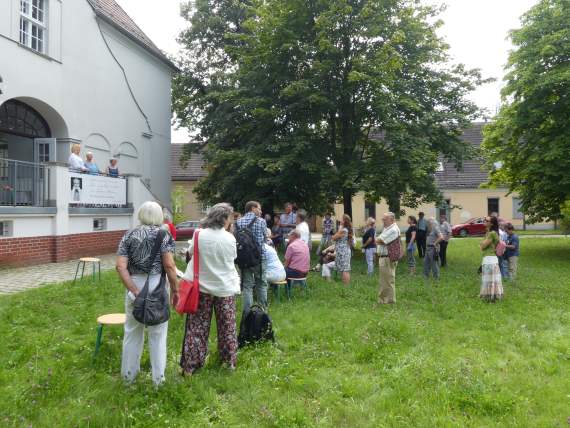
219,284
343,246
491,284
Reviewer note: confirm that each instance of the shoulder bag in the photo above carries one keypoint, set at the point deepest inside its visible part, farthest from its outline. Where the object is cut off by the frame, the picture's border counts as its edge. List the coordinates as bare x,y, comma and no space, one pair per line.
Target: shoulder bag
189,292
151,308
395,252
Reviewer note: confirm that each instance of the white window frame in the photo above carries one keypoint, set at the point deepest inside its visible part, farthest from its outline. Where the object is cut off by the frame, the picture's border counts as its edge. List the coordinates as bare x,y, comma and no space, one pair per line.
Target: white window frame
101,227
30,25
517,213
6,228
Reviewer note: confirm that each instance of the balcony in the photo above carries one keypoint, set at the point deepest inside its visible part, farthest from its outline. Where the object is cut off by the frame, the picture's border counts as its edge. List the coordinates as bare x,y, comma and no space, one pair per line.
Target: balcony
24,184
34,188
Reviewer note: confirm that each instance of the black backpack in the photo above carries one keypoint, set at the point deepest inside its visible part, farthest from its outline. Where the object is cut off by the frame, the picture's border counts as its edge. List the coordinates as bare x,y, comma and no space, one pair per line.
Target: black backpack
255,327
248,252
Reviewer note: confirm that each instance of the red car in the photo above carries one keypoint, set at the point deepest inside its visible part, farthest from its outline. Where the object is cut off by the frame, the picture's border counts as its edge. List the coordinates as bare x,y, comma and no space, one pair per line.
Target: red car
475,226
185,230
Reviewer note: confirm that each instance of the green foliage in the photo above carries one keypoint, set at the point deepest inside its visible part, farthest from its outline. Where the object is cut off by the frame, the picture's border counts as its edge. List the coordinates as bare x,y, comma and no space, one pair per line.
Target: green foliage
531,133
178,197
289,96
439,357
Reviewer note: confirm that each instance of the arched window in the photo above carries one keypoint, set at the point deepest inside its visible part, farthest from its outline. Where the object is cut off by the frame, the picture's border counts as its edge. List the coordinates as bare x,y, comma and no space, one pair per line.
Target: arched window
20,119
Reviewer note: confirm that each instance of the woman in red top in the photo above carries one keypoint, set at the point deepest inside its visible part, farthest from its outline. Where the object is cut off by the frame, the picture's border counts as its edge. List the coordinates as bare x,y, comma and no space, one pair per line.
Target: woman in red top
171,227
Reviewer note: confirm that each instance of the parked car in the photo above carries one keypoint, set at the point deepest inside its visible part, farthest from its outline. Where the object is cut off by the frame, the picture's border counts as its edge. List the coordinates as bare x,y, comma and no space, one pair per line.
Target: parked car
475,226
185,230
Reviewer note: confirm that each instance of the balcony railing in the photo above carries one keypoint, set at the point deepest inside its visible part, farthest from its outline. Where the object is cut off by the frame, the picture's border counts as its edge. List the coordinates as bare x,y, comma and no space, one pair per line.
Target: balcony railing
24,184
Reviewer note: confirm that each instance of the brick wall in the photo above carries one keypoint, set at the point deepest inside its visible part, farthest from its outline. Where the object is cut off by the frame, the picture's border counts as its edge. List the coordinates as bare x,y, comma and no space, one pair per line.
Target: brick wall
47,249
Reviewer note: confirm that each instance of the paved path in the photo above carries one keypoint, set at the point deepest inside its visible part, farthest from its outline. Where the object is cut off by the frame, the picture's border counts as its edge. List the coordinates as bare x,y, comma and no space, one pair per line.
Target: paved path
13,280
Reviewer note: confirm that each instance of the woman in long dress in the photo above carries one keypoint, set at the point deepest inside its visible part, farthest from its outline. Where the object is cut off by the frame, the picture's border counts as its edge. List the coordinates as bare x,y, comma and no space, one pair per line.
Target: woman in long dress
491,282
343,244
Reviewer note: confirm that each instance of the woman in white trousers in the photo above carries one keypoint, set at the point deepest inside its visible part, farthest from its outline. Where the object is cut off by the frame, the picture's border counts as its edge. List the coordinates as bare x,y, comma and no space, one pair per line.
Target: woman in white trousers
134,266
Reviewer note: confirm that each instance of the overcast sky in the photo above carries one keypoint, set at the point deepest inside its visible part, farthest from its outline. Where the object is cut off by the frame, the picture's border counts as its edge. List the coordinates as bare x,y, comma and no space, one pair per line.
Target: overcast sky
476,30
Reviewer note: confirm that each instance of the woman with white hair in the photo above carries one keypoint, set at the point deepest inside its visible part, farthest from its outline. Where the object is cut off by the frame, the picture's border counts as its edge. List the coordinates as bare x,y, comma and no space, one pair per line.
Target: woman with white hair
433,238
219,285
133,264
273,269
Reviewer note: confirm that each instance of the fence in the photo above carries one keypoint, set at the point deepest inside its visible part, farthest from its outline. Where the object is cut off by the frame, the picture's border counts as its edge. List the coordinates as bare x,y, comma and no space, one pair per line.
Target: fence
23,184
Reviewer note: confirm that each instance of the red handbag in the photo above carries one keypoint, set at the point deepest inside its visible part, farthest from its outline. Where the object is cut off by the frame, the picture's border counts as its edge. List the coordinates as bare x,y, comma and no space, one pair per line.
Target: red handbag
189,291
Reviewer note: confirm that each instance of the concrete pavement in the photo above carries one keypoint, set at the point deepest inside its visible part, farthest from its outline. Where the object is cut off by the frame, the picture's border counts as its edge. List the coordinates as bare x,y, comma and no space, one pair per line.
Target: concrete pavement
13,280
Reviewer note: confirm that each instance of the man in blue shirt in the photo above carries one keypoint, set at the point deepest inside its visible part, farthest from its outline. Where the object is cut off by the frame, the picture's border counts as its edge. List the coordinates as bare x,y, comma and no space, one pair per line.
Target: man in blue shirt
512,251
288,219
252,278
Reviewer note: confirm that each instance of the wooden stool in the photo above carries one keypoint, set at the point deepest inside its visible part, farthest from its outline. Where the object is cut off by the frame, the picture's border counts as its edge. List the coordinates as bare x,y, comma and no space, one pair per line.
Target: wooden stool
94,261
277,289
291,282
108,319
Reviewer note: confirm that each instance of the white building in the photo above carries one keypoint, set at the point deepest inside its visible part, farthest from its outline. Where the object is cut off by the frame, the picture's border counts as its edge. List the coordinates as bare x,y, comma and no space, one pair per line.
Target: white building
77,71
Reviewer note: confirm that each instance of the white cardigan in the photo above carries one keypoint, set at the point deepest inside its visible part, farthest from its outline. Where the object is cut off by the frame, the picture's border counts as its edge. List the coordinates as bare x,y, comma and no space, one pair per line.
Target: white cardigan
217,251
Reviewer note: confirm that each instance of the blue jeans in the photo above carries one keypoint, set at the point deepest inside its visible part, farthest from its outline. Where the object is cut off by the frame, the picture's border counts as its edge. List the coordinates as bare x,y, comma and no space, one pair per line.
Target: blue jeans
369,253
411,249
504,266
292,273
430,264
252,278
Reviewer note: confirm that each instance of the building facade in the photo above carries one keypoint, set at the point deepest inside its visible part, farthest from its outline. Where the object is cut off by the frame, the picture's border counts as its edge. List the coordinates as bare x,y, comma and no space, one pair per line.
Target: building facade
185,176
464,193
77,72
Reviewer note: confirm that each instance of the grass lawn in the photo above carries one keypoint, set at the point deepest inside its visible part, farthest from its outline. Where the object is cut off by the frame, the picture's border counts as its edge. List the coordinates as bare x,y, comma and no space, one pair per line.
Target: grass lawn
439,357
539,232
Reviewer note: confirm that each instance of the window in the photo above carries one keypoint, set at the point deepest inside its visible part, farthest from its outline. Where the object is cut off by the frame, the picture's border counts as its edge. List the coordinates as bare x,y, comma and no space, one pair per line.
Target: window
6,228
3,163
99,224
21,119
33,24
517,213
444,209
492,206
43,151
369,210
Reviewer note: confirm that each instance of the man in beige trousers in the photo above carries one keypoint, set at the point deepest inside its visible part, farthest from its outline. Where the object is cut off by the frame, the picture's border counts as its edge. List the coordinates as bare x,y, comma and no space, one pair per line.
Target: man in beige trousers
387,268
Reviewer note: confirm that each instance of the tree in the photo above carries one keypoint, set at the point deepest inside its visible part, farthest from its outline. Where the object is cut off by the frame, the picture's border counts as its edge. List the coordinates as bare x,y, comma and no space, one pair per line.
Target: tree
289,97
531,133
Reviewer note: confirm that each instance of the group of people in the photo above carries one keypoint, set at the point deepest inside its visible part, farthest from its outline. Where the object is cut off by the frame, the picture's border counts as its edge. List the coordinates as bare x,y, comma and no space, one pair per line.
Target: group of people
88,165
431,240
220,282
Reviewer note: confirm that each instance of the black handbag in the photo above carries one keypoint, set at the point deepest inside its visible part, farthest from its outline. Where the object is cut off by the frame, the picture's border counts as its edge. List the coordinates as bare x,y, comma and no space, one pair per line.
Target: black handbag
153,308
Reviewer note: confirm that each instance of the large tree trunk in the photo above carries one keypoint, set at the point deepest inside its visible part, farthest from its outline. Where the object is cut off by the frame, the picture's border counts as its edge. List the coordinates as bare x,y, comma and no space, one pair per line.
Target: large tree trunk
347,201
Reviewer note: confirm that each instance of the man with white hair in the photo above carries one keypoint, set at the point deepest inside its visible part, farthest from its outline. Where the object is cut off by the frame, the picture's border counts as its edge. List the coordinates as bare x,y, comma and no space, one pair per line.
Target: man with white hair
303,227
297,256
387,267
